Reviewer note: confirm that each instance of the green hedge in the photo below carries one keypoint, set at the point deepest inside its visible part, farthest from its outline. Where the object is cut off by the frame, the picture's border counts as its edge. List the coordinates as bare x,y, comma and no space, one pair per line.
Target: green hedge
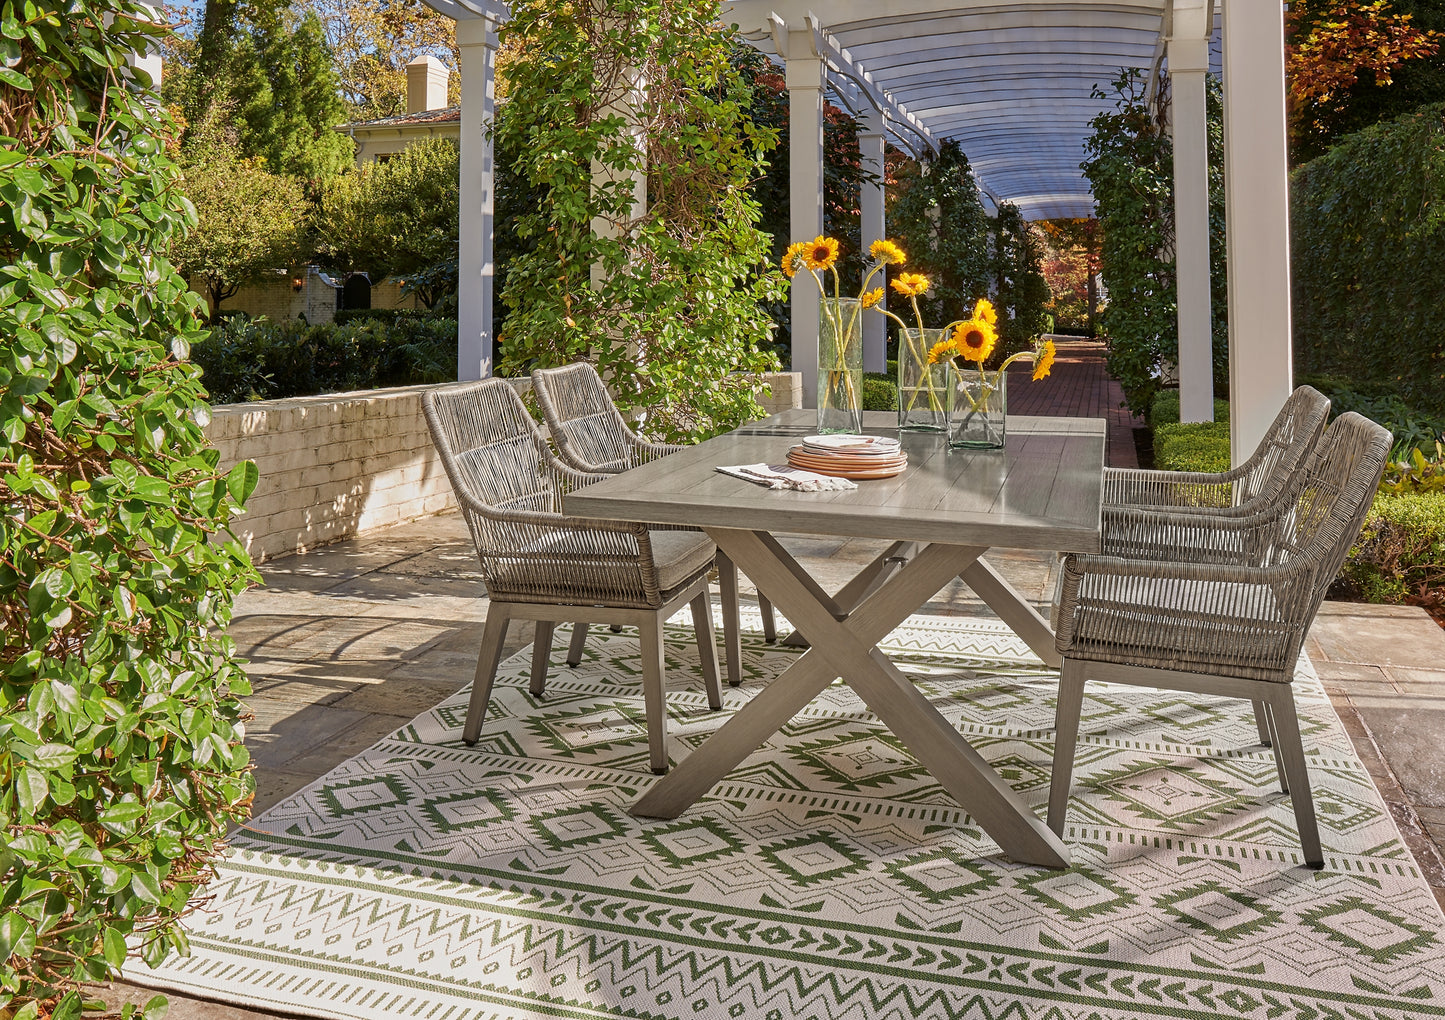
1400,554
880,392
1368,254
1164,408
1199,446
262,360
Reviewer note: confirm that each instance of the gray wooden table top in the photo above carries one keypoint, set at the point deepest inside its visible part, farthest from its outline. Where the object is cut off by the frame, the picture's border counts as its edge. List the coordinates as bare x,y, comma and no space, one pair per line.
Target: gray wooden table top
1043,491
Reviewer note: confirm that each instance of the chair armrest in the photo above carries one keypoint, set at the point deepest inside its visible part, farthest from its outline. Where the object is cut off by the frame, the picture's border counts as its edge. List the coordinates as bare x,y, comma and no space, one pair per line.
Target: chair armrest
1200,490
1145,533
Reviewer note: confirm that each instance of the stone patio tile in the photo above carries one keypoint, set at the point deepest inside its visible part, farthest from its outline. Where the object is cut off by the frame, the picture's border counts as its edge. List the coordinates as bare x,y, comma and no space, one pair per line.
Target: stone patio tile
398,696
1349,673
1428,682
297,690
367,730
1410,735
283,730
1352,632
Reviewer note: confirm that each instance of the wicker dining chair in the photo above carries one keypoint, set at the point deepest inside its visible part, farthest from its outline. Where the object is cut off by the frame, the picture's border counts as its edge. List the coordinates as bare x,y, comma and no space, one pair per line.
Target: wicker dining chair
1226,628
543,566
1241,491
591,435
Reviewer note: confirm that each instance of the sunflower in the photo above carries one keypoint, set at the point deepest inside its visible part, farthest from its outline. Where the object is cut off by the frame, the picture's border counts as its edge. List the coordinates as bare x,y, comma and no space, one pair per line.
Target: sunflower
984,312
910,284
941,352
974,340
887,252
820,253
1044,360
791,256
872,297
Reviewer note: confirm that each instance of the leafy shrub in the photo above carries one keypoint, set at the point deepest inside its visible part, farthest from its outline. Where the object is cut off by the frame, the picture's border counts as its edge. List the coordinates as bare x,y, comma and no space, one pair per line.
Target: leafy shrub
880,392
1367,245
1411,427
119,738
1164,408
263,360
344,316
1400,554
1130,165
1200,446
1416,472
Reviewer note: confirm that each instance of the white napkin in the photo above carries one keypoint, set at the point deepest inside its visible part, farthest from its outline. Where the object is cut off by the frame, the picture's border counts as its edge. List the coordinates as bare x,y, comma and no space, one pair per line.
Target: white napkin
785,476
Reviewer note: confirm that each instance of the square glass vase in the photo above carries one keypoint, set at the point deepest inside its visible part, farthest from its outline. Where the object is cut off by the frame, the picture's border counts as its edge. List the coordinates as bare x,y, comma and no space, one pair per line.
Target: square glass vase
978,410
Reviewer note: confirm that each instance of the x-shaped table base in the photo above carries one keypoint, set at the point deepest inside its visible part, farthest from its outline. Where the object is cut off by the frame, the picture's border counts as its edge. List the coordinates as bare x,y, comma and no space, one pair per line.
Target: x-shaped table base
843,642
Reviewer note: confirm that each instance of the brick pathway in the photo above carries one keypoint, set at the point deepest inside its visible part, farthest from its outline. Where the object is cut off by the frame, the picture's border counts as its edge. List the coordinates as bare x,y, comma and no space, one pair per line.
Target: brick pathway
1078,387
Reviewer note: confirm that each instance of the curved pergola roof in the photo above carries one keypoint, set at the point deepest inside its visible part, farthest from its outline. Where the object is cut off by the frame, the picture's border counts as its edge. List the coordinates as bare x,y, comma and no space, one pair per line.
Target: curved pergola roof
1011,81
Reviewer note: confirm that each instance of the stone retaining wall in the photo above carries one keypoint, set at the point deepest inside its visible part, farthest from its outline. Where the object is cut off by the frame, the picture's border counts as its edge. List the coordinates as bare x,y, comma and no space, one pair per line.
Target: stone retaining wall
340,465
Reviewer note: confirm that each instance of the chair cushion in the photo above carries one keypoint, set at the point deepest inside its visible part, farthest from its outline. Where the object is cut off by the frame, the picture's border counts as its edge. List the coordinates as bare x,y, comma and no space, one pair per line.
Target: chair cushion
680,556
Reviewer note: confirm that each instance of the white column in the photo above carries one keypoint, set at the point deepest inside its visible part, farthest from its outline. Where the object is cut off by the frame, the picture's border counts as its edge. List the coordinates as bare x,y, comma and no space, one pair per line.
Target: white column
1188,63
1261,370
805,197
477,41
870,202
150,61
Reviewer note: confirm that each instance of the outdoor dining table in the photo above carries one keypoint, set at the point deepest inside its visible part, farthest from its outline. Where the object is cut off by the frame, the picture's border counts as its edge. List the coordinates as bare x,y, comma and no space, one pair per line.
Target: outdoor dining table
1043,491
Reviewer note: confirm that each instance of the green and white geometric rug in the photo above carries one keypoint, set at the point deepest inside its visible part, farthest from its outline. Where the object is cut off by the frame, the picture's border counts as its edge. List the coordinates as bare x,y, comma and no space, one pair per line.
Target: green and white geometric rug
828,876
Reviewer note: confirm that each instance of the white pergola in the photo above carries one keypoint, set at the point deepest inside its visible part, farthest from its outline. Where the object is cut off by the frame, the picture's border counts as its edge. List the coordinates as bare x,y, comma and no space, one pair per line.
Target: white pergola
1011,81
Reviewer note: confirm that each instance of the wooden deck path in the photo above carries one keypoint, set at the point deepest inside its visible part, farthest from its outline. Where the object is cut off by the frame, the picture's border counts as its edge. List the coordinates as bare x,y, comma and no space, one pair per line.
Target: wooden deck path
1079,387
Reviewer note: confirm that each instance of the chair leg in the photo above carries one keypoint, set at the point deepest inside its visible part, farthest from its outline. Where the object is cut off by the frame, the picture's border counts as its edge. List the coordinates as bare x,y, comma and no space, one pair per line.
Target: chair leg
1271,729
1291,749
616,628
770,623
578,642
707,648
541,656
1261,721
727,583
1066,738
494,635
656,704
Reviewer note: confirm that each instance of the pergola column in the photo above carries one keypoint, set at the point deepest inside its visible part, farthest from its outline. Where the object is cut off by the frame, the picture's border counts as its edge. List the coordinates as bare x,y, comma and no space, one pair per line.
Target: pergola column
1256,177
871,150
628,107
477,42
805,71
1188,51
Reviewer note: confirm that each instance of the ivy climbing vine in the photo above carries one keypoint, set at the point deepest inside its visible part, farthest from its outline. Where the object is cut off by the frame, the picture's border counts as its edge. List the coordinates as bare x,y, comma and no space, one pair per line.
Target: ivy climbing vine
668,303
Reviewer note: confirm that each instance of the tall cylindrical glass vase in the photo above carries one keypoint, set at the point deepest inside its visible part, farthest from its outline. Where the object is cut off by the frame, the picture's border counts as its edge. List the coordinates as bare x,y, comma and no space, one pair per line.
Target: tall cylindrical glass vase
922,388
840,366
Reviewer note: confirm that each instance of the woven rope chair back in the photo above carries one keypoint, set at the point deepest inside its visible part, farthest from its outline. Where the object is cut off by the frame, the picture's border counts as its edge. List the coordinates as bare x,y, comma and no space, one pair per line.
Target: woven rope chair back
585,424
1336,488
510,489
1286,446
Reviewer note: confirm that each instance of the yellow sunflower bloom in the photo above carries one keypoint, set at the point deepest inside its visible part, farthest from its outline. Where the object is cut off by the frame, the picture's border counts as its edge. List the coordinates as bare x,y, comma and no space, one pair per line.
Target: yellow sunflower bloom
872,297
791,256
1044,360
974,340
984,312
910,284
820,253
887,252
941,352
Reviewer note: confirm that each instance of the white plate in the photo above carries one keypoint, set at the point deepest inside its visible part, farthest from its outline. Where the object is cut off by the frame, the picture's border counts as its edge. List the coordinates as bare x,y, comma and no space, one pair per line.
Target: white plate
866,446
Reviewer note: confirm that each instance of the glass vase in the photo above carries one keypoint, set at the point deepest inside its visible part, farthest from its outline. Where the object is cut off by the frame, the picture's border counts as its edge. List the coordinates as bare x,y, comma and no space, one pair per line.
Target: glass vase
978,409
840,366
922,388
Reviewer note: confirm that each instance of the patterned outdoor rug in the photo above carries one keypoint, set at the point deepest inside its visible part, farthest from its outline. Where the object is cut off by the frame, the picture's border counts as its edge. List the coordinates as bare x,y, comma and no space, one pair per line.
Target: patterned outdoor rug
827,877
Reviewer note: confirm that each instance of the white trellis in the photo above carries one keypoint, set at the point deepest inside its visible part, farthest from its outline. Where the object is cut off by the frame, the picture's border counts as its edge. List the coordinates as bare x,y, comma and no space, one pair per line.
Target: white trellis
1011,81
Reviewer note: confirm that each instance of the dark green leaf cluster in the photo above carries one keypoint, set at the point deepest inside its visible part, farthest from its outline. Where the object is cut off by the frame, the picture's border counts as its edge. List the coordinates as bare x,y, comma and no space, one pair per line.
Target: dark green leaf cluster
668,304
260,360
1020,289
939,221
1367,232
1130,167
121,757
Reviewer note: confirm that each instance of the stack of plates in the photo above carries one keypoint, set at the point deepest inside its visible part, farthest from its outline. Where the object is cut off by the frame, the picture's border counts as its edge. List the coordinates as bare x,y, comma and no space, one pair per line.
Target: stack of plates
849,456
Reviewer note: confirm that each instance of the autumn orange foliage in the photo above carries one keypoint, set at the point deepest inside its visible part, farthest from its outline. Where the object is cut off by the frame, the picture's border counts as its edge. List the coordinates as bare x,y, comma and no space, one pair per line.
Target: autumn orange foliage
1333,41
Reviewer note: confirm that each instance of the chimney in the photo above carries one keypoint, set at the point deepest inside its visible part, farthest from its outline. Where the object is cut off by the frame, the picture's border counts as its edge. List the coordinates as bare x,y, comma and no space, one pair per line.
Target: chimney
426,85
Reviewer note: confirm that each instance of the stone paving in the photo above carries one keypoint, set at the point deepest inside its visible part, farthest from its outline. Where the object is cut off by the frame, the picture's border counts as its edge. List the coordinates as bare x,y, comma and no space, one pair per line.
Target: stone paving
351,641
